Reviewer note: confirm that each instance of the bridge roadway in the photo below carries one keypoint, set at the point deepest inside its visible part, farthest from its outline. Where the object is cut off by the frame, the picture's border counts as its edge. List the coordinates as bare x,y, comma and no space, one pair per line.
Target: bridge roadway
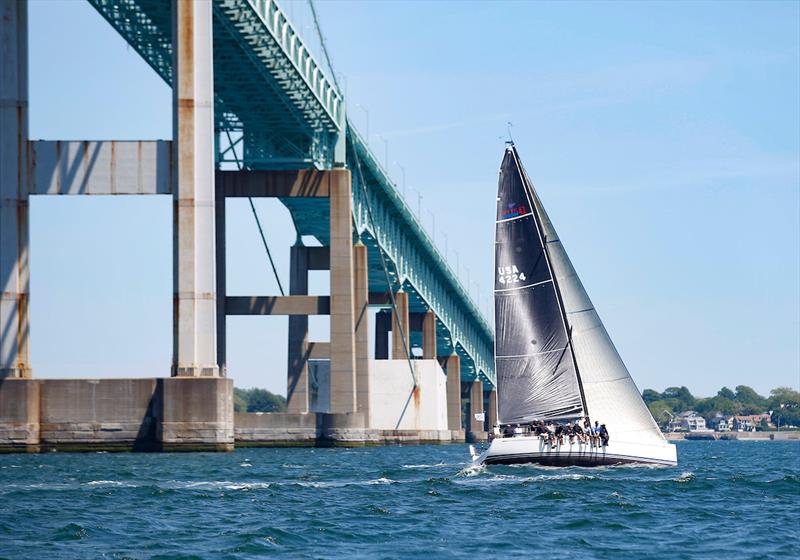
274,111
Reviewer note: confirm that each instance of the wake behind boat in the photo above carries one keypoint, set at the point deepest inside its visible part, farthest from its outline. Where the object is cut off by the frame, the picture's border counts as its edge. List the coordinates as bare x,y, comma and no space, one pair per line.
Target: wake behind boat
564,396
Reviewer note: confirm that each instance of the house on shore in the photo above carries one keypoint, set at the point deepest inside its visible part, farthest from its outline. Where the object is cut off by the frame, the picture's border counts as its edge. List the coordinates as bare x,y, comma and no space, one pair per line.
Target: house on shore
688,421
749,423
721,423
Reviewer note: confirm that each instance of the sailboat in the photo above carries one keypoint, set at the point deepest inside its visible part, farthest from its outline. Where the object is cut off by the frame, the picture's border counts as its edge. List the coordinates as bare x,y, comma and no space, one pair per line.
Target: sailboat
555,362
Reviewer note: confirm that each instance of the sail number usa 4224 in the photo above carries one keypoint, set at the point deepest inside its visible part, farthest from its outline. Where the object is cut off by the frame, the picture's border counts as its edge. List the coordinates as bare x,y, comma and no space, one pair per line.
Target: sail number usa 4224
509,274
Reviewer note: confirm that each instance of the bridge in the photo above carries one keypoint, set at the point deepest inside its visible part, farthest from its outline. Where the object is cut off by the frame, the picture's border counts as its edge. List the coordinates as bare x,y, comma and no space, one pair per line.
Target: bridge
254,115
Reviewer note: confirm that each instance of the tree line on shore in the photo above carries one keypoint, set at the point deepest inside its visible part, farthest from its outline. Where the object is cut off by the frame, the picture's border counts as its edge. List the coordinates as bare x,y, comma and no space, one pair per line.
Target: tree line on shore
784,402
257,400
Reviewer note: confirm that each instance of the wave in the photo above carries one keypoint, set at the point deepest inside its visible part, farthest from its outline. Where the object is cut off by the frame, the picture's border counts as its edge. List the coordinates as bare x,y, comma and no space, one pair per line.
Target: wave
112,483
686,476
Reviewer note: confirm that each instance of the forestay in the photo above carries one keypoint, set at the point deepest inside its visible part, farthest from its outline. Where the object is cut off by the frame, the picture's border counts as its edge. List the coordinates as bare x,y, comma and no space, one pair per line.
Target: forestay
536,372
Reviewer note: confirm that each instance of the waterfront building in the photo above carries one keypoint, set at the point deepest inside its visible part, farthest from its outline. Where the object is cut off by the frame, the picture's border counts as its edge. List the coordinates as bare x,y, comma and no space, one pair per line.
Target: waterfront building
720,423
749,423
693,422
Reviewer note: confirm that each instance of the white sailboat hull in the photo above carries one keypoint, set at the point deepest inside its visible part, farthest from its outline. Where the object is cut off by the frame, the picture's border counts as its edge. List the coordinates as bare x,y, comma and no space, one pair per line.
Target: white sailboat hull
533,449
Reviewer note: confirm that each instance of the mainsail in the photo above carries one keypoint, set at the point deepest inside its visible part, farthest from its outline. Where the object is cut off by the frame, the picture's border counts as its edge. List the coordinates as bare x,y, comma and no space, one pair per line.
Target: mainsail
536,373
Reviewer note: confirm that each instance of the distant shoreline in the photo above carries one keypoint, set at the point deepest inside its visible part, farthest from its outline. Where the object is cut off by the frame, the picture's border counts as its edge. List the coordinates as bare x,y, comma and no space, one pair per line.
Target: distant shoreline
728,436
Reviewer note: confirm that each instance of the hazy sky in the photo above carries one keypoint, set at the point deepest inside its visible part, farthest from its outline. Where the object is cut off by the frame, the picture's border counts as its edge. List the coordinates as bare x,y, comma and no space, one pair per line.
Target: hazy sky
662,138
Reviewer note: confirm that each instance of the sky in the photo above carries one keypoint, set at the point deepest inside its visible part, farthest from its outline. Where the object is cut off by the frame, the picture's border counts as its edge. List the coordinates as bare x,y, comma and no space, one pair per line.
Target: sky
663,139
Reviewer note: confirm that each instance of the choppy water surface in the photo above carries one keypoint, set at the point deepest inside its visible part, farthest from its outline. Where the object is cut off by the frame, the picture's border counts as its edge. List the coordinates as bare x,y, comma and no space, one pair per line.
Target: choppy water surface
725,500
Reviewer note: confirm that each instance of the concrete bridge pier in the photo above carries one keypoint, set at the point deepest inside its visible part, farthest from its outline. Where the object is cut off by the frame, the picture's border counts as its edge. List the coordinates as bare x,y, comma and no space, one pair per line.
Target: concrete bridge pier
476,431
194,255
197,413
401,333
429,336
454,420
361,318
192,410
14,243
297,398
342,331
491,413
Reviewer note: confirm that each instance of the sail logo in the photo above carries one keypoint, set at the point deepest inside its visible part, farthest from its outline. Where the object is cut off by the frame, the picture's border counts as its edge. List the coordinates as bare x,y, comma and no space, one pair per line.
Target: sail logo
514,210
510,274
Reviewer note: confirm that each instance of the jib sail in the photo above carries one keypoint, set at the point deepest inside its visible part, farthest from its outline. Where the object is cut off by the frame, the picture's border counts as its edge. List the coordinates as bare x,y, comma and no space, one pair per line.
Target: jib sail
536,373
609,391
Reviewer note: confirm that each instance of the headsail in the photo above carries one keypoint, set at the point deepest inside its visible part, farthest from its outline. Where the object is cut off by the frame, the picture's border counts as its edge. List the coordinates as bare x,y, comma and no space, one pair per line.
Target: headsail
536,373
611,395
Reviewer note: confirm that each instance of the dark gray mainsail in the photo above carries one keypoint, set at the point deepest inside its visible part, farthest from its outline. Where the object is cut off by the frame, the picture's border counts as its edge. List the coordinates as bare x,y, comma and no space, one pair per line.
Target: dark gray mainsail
536,373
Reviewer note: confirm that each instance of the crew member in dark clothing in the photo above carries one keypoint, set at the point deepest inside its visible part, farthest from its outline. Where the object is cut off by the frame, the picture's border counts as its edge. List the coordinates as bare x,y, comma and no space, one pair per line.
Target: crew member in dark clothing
560,434
604,437
578,431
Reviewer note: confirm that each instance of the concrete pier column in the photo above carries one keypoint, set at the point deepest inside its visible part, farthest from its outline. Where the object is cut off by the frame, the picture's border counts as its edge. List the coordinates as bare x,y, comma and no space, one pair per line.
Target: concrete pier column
222,321
429,336
297,380
20,402
194,268
197,414
361,315
14,243
491,414
400,328
383,323
476,431
454,392
343,339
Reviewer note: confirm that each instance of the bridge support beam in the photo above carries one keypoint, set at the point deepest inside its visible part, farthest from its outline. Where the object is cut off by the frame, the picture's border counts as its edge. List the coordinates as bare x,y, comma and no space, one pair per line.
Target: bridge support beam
297,381
222,319
476,431
361,315
401,342
14,243
491,414
343,339
195,313
454,392
429,336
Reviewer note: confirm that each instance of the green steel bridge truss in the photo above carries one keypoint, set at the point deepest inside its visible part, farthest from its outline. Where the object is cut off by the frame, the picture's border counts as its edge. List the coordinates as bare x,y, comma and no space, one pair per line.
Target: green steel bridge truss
275,104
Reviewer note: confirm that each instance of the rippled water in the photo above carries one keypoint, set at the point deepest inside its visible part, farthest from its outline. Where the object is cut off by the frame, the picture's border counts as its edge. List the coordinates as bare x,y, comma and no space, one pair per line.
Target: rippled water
725,500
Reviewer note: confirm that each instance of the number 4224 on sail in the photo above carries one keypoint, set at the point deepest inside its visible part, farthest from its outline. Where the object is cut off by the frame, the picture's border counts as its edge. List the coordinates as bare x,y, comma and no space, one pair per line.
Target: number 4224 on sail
510,275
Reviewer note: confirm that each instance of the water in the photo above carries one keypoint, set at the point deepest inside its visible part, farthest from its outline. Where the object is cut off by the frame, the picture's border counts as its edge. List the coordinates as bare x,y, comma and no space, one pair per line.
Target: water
724,500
